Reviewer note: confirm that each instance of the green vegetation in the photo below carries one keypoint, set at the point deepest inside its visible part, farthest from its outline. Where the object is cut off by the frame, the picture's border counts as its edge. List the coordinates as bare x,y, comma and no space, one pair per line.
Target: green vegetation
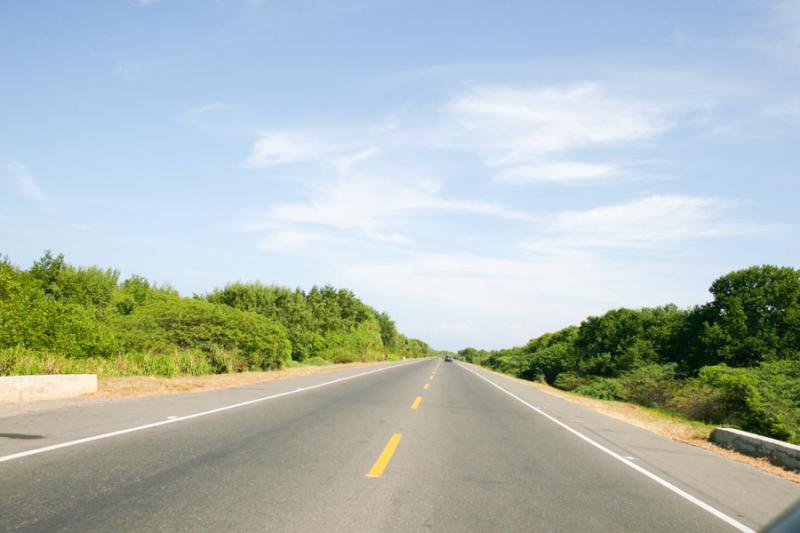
734,361
57,318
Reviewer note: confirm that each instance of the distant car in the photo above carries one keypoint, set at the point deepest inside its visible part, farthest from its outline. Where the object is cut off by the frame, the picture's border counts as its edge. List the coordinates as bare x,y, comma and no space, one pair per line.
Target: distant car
448,359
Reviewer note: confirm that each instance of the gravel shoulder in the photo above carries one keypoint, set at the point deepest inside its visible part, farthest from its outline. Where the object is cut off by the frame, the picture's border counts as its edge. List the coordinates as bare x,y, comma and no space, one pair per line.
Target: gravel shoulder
135,386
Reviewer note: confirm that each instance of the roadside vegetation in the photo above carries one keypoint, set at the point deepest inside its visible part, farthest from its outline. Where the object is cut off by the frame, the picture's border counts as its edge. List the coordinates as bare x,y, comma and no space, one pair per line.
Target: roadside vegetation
734,361
58,318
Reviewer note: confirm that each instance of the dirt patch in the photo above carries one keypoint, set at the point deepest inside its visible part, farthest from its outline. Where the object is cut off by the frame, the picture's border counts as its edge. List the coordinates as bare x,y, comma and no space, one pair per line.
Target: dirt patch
132,386
695,434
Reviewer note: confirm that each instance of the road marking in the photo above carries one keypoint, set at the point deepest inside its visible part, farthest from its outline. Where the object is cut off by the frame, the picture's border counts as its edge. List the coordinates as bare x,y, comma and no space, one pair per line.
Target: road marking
385,456
425,387
416,403
93,438
663,482
431,377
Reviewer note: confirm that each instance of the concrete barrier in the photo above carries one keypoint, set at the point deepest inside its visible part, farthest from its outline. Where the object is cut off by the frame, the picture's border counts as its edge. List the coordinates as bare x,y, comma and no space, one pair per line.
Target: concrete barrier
777,452
49,387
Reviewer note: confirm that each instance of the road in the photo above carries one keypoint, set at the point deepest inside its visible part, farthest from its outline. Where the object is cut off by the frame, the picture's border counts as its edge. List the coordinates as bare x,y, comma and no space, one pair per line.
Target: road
412,446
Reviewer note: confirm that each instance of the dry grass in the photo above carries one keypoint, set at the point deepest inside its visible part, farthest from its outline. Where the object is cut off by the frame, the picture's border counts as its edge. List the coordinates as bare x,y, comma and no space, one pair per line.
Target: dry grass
689,432
131,386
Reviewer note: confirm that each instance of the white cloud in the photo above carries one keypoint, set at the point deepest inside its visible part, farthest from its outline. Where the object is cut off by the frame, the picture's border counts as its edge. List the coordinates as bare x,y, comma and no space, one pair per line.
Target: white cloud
274,148
504,301
514,126
565,172
25,182
371,207
206,108
646,223
523,135
373,204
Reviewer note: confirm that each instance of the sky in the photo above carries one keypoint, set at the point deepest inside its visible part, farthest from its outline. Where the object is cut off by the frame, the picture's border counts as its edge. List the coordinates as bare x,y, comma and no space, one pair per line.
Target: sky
484,171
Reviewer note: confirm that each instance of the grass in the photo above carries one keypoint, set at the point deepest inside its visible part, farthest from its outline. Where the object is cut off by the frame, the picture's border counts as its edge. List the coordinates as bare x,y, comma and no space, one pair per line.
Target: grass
179,362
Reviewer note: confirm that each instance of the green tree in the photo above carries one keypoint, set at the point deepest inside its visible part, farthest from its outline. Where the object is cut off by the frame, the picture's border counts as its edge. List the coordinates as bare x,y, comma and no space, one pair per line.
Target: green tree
755,316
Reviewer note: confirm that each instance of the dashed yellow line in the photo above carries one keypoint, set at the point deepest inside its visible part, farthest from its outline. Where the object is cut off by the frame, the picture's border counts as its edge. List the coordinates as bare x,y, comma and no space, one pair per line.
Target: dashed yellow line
385,456
416,403
425,387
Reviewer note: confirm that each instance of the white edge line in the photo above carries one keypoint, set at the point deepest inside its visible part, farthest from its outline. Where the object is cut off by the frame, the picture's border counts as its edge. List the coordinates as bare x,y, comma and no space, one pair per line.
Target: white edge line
680,492
93,438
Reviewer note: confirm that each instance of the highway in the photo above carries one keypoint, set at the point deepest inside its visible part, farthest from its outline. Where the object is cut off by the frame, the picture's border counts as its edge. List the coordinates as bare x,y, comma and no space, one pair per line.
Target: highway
410,446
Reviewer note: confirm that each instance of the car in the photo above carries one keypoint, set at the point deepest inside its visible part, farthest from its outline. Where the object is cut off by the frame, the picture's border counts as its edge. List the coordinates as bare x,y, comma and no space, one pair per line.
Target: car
448,358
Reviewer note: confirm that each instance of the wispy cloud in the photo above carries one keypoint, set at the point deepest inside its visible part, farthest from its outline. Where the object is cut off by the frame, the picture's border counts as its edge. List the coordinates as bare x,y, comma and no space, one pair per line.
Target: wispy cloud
275,148
376,204
371,198
523,134
25,182
564,172
652,222
209,107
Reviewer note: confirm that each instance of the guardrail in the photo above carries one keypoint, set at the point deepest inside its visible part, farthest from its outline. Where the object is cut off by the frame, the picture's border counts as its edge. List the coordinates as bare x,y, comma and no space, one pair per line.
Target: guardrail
777,452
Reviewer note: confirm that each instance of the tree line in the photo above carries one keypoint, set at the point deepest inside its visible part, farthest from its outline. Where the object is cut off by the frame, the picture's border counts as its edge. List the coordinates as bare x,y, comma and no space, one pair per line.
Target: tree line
58,318
734,360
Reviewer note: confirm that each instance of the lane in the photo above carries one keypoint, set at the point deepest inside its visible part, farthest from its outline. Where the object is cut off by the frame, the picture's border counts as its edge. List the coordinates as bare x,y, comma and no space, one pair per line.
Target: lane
45,424
284,465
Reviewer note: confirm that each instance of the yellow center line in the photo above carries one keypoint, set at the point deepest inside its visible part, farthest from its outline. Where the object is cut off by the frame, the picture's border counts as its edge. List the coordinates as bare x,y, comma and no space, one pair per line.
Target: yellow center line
416,403
425,387
385,456
431,377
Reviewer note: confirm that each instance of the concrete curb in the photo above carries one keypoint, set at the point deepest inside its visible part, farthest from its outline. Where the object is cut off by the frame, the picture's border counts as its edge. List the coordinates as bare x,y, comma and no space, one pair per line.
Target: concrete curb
777,452
15,389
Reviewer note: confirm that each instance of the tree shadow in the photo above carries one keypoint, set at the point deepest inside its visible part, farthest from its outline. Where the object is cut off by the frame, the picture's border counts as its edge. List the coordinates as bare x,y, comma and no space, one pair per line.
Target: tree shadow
22,436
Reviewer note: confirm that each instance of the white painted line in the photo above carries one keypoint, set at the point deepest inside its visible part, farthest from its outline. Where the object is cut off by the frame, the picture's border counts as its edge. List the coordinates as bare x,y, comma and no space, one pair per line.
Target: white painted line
680,492
171,417
172,420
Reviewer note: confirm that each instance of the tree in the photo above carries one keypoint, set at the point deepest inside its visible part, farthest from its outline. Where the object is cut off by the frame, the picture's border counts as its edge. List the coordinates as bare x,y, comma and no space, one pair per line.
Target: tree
755,316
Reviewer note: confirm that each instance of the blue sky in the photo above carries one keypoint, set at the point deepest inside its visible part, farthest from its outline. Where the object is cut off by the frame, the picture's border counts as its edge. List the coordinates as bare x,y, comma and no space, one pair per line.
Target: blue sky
483,171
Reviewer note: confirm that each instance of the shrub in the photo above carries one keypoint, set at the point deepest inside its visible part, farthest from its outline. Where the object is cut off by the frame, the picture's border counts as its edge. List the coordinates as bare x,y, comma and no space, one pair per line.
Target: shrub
316,361
740,397
697,400
194,324
569,381
649,385
602,389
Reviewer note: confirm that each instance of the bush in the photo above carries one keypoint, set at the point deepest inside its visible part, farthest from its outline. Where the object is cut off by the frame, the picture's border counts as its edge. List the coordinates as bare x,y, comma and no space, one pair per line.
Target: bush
697,400
316,361
570,381
56,318
194,324
602,389
362,344
649,385
740,397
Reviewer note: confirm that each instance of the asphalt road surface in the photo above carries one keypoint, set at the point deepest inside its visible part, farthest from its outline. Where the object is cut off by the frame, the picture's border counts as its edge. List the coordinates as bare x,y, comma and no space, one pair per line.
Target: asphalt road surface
412,446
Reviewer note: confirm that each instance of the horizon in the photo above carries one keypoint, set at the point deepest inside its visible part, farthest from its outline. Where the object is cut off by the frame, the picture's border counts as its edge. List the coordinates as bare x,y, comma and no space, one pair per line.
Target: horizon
483,173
